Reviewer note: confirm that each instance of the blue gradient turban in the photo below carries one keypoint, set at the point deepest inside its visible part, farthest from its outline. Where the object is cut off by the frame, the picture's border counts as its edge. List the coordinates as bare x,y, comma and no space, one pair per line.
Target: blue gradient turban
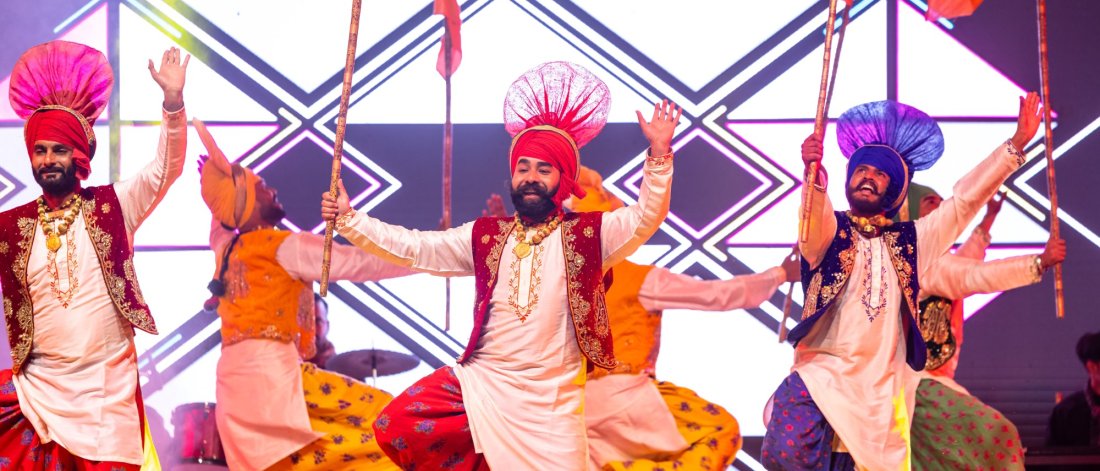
895,138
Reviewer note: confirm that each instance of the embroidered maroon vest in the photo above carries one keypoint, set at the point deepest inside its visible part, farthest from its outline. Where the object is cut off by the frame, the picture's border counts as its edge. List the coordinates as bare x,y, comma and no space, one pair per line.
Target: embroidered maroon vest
584,281
107,232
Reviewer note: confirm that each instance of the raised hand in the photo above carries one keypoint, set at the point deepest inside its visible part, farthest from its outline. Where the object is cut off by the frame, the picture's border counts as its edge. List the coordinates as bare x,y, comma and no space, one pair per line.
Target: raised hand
991,209
171,77
812,149
1053,254
658,131
1028,121
333,206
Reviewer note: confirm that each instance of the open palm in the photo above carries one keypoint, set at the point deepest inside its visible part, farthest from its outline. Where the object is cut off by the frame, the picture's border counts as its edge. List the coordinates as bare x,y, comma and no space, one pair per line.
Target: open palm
661,126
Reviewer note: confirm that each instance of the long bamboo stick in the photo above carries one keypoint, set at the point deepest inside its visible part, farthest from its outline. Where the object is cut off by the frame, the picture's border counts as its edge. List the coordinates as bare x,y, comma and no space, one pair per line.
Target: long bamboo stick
810,178
1052,188
341,127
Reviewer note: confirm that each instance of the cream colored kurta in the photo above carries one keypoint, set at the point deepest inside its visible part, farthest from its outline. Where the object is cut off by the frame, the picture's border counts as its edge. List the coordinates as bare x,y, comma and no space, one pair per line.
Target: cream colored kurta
631,404
964,273
523,387
853,361
79,385
262,415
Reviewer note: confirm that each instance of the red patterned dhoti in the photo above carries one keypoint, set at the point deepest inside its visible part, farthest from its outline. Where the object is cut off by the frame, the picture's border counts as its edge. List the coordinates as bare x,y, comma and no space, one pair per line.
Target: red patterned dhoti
22,449
425,427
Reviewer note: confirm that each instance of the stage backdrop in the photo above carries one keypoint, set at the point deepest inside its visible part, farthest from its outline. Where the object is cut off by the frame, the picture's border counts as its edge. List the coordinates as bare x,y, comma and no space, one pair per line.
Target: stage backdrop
265,76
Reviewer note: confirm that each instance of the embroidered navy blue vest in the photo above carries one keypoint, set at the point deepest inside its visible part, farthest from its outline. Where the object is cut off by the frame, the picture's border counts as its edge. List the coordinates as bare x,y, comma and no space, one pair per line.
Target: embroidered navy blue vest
823,284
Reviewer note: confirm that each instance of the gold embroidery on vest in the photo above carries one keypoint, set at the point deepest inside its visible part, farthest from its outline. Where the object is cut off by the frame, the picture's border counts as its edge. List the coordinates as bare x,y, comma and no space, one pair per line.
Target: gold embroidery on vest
485,239
116,285
504,229
589,232
3,247
580,307
903,269
23,313
105,208
812,293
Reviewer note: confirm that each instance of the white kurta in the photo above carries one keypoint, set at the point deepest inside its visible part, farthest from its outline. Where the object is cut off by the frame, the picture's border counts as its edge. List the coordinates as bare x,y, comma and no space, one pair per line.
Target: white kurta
964,273
79,384
853,361
632,418
524,385
262,415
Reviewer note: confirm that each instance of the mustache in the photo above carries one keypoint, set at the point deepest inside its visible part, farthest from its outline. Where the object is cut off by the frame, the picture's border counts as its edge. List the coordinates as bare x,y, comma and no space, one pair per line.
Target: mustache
534,187
50,168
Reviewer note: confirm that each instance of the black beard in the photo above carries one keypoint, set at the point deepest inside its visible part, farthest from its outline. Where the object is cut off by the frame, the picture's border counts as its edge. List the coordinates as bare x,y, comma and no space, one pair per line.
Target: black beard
537,211
864,207
59,186
273,214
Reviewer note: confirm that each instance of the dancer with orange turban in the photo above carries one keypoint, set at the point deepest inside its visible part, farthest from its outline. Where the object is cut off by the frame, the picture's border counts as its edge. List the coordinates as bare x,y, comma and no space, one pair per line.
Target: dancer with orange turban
71,296
515,400
276,411
634,420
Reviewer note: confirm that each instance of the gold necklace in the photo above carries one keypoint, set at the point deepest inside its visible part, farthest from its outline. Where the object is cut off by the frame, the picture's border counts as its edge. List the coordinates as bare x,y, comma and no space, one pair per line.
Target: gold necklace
523,247
869,226
53,234
63,296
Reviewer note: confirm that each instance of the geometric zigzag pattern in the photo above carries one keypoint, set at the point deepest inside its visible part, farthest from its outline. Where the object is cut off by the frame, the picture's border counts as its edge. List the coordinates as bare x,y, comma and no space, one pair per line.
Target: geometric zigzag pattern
266,78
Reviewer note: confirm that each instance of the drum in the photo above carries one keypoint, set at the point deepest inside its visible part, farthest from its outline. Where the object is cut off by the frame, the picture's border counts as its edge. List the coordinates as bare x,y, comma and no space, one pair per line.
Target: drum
197,439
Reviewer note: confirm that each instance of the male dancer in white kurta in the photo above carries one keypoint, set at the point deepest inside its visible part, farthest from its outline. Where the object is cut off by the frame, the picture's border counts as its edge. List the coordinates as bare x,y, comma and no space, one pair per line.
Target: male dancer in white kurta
852,389
77,386
521,383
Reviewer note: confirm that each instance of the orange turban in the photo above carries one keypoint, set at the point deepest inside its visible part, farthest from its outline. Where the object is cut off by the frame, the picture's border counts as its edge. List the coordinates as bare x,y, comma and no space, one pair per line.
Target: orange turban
229,190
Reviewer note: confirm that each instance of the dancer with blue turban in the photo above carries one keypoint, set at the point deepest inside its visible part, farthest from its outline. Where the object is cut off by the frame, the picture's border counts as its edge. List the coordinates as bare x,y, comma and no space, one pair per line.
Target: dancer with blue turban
848,401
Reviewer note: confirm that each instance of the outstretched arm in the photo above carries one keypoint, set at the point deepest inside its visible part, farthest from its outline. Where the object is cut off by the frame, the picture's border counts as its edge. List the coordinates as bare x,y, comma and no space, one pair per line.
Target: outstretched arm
444,253
626,229
663,289
979,239
140,194
300,254
955,277
939,229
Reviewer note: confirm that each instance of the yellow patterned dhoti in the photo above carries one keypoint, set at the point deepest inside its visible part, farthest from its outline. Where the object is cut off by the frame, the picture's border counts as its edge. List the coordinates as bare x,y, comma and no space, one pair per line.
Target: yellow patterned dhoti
712,434
344,410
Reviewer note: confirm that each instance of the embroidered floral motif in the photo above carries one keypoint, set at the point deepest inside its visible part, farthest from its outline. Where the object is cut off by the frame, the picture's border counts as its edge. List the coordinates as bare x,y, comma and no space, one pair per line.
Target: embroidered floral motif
105,209
589,232
3,248
485,239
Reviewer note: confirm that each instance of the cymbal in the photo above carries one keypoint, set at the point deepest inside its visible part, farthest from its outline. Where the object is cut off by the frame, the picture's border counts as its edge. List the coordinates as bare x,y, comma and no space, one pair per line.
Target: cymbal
363,364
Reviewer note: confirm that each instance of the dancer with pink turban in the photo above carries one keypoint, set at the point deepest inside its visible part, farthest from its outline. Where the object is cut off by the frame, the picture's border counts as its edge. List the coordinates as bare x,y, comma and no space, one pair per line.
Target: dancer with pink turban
71,297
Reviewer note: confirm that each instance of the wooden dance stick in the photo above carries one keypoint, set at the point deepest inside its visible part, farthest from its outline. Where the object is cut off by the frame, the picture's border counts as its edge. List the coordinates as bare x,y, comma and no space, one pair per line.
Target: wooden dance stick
341,127
1052,188
810,178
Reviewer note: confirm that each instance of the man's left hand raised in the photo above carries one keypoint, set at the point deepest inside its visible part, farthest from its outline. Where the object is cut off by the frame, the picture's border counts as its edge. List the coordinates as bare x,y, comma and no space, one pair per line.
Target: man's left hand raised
171,77
658,131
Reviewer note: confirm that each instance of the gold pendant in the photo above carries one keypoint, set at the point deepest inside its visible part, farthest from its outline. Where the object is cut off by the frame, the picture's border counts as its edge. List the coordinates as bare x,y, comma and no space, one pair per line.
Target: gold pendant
521,250
53,242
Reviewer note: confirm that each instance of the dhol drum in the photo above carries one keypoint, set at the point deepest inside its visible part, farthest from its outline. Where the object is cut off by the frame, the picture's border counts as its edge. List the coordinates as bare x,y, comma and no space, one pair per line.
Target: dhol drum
197,439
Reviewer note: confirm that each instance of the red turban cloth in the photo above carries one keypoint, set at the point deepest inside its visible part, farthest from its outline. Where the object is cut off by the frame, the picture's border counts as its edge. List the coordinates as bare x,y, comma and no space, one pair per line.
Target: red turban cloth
61,87
552,111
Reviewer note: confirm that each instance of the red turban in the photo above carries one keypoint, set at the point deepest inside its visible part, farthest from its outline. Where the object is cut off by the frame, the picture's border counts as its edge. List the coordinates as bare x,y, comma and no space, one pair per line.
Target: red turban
550,145
60,88
62,125
552,111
